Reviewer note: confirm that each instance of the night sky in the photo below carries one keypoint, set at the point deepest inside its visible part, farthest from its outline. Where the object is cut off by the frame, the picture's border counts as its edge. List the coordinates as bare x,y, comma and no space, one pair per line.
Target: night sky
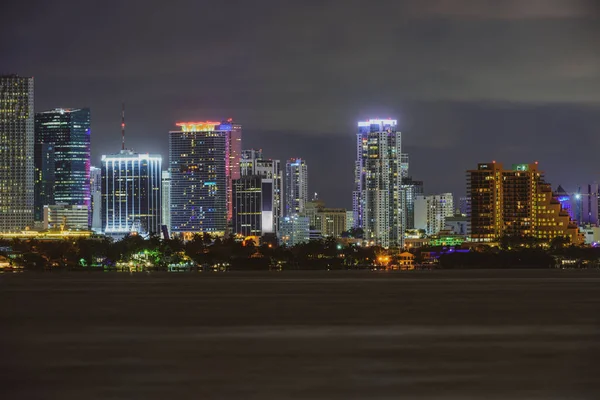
468,81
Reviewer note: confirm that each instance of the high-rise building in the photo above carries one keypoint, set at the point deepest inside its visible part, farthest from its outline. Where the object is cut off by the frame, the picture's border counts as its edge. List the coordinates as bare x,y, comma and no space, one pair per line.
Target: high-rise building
131,193
410,190
198,163
257,195
62,158
584,203
294,230
516,202
16,153
377,196
296,186
166,200
349,219
96,196
431,212
233,132
248,205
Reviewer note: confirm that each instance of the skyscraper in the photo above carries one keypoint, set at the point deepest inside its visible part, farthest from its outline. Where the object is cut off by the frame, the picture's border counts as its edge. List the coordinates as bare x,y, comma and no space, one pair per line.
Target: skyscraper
410,190
96,196
234,152
296,186
431,212
378,180
166,200
131,193
198,162
257,200
516,202
62,158
16,153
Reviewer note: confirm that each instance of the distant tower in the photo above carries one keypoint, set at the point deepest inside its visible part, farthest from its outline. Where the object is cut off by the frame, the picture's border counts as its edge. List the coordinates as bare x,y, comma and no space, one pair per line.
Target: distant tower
296,186
199,164
166,200
62,158
378,180
16,153
131,193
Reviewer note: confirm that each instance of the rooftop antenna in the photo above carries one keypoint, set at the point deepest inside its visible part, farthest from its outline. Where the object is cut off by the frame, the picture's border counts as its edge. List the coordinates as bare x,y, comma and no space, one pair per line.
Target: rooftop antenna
123,127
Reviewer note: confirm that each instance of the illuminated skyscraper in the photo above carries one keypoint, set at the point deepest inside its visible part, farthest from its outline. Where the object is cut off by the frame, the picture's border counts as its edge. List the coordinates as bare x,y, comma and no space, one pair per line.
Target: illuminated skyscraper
198,162
378,182
16,153
257,195
131,193
517,203
62,158
166,200
296,186
234,152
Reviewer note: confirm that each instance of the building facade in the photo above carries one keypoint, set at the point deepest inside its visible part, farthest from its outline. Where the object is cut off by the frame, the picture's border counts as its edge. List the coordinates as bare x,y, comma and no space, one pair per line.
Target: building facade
62,158
294,230
378,183
16,153
431,212
296,186
198,163
166,200
410,190
258,193
96,198
131,193
515,202
66,217
248,205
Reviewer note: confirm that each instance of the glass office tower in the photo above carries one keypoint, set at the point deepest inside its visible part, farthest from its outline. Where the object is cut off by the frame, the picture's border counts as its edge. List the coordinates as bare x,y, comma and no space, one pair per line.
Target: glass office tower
62,158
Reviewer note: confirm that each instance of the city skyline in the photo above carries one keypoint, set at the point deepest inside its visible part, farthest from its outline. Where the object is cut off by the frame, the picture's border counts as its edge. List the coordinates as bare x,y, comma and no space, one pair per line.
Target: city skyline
460,90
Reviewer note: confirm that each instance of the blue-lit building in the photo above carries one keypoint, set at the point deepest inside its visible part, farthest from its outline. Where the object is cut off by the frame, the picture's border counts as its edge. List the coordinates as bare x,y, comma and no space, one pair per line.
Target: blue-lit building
199,159
131,193
62,158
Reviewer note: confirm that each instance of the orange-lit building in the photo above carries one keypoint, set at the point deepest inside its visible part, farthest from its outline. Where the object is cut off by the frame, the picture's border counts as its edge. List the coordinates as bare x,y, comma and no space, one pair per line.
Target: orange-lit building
515,202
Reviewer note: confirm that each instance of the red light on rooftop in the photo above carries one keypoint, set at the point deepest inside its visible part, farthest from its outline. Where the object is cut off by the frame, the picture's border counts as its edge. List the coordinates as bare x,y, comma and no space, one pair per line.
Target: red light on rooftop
229,119
494,162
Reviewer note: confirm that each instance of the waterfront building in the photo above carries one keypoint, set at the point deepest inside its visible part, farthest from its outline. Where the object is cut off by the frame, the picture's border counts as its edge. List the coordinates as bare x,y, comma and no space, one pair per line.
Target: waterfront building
62,158
377,198
515,202
257,195
96,198
16,153
131,193
199,161
66,217
166,200
294,230
296,186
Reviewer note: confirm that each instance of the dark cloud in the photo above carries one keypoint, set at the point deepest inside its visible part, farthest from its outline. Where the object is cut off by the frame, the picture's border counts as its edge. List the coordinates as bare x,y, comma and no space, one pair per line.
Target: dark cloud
468,80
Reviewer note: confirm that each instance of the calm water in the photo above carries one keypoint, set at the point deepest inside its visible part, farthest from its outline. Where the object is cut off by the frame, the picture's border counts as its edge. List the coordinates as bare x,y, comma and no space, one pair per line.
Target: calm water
319,335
